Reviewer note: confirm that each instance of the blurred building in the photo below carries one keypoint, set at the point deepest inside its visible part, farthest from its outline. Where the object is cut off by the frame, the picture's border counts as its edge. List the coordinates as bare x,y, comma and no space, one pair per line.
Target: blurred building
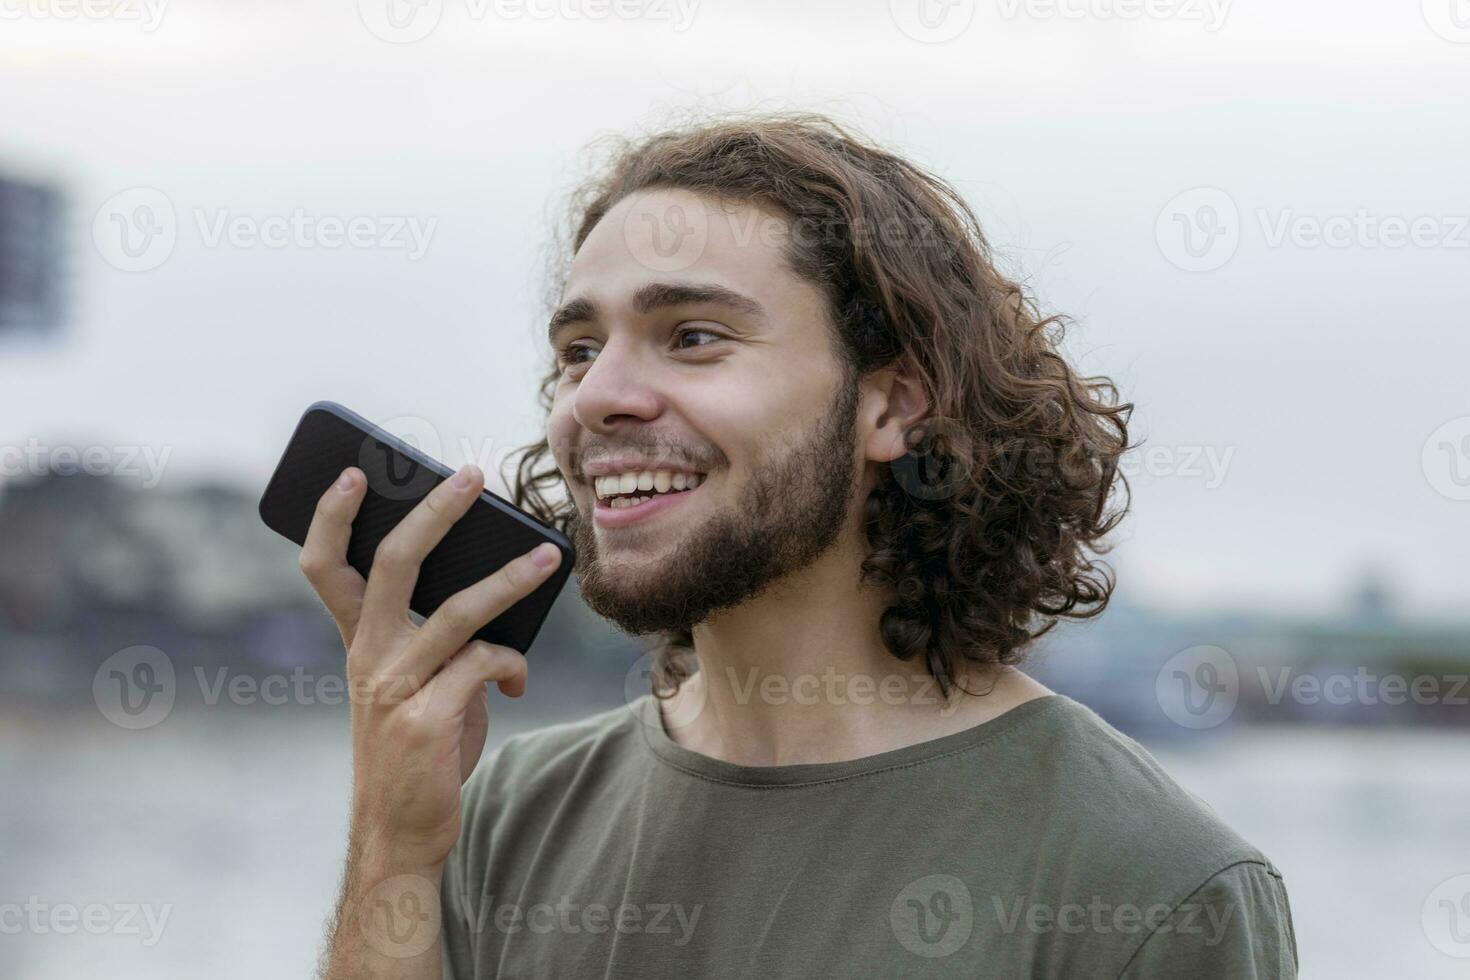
31,253
90,565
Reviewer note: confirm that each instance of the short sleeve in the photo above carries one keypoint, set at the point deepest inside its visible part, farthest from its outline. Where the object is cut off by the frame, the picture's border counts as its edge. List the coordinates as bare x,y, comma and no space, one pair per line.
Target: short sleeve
455,917
1236,926
464,869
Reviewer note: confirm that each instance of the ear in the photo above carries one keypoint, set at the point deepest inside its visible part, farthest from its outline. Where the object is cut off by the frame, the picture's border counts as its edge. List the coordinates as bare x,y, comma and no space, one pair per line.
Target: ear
893,402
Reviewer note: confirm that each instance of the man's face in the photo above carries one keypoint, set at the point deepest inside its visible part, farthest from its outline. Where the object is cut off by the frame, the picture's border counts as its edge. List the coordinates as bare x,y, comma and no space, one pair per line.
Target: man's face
696,353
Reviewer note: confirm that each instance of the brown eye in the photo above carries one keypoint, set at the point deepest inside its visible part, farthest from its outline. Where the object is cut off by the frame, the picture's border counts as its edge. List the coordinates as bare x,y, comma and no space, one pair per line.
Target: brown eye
570,355
695,331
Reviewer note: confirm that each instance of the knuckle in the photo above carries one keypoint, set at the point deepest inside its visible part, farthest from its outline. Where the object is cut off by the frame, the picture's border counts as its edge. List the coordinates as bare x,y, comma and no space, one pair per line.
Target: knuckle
517,576
437,503
311,565
325,504
499,661
458,613
484,655
392,551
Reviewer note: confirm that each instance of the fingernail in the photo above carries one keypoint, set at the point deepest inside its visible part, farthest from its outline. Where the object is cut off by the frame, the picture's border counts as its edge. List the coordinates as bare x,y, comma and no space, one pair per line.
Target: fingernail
545,555
462,478
346,480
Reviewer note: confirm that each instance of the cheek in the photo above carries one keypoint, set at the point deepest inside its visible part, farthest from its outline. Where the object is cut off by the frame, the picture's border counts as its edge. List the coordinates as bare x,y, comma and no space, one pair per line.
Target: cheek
751,420
561,428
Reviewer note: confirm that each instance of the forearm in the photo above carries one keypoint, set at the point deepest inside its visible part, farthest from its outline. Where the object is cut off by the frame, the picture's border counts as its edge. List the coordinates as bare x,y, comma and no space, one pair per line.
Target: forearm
387,919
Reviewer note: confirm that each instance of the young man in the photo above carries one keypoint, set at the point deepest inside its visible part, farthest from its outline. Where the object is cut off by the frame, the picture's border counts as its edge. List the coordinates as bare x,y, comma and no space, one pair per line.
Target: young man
820,449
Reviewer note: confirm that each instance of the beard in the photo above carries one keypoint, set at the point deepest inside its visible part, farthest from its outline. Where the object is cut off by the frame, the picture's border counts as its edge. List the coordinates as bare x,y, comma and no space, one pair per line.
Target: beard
790,511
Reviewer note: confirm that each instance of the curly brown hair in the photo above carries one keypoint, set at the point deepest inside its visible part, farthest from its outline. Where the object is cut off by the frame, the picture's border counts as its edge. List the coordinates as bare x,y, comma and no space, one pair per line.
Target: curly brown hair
982,531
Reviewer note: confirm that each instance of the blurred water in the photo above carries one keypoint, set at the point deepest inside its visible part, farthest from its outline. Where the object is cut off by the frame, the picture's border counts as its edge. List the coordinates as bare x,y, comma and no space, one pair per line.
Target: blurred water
235,821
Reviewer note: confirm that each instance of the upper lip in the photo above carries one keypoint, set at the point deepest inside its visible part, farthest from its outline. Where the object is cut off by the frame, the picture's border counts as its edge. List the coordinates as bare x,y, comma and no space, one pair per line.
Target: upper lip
617,465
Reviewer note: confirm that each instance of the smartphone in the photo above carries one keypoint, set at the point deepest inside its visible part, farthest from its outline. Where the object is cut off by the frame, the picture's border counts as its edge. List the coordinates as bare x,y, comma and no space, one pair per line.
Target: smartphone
330,438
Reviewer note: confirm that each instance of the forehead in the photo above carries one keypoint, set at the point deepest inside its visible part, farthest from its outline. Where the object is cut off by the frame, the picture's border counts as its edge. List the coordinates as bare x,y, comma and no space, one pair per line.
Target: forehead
674,234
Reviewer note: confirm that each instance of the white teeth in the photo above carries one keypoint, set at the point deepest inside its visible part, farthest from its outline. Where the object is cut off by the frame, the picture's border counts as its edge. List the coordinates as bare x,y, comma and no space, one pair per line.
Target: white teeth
660,481
622,503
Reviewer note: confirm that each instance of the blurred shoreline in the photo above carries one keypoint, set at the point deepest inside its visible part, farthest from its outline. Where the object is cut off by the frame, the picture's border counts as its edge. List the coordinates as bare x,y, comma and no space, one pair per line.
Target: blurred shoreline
95,571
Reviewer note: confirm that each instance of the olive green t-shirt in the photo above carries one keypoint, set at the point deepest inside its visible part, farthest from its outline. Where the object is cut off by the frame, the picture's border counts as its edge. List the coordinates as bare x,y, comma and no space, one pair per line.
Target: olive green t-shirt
1042,843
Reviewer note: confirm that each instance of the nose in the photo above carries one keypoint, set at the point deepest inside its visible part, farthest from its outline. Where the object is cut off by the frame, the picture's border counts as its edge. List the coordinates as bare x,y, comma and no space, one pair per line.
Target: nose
616,390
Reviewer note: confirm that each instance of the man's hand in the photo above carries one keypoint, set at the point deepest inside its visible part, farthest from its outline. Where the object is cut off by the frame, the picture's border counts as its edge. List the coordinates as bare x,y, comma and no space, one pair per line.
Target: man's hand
419,713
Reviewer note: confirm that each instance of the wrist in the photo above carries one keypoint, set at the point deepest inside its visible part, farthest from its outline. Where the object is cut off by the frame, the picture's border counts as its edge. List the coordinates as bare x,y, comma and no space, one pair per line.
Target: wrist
376,856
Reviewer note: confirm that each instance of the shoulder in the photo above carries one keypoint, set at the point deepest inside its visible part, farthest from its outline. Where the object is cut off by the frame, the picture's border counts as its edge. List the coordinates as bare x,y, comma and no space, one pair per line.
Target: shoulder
1197,887
1107,788
1182,889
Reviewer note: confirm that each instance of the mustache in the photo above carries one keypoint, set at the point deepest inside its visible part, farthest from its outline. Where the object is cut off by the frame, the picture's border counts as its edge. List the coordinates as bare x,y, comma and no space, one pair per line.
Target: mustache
587,454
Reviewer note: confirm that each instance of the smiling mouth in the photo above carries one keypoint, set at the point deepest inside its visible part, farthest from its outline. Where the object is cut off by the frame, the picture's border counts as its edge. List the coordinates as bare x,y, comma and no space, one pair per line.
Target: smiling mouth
621,491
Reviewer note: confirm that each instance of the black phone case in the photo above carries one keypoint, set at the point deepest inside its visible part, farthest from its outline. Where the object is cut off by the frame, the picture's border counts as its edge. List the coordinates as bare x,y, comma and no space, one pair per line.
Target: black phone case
330,438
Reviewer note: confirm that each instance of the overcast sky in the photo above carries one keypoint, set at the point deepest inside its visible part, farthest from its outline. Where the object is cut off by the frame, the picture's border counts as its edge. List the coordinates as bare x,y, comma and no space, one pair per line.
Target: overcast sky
1168,179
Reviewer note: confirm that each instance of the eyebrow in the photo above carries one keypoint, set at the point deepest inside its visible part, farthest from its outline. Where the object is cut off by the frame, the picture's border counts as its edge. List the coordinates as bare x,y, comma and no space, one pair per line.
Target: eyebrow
660,295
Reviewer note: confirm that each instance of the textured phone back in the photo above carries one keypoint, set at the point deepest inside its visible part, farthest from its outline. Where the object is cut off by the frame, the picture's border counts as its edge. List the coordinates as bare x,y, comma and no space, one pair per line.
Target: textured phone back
329,439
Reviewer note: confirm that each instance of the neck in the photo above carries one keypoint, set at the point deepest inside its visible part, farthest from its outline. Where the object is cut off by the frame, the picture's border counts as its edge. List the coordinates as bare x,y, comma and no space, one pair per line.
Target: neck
801,675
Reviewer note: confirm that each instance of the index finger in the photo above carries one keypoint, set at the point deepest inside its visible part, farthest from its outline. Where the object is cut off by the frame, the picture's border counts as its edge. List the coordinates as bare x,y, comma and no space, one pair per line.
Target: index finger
396,563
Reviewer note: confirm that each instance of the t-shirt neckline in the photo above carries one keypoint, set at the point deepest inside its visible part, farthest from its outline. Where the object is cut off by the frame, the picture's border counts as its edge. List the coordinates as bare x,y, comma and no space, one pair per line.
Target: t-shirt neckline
813,773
